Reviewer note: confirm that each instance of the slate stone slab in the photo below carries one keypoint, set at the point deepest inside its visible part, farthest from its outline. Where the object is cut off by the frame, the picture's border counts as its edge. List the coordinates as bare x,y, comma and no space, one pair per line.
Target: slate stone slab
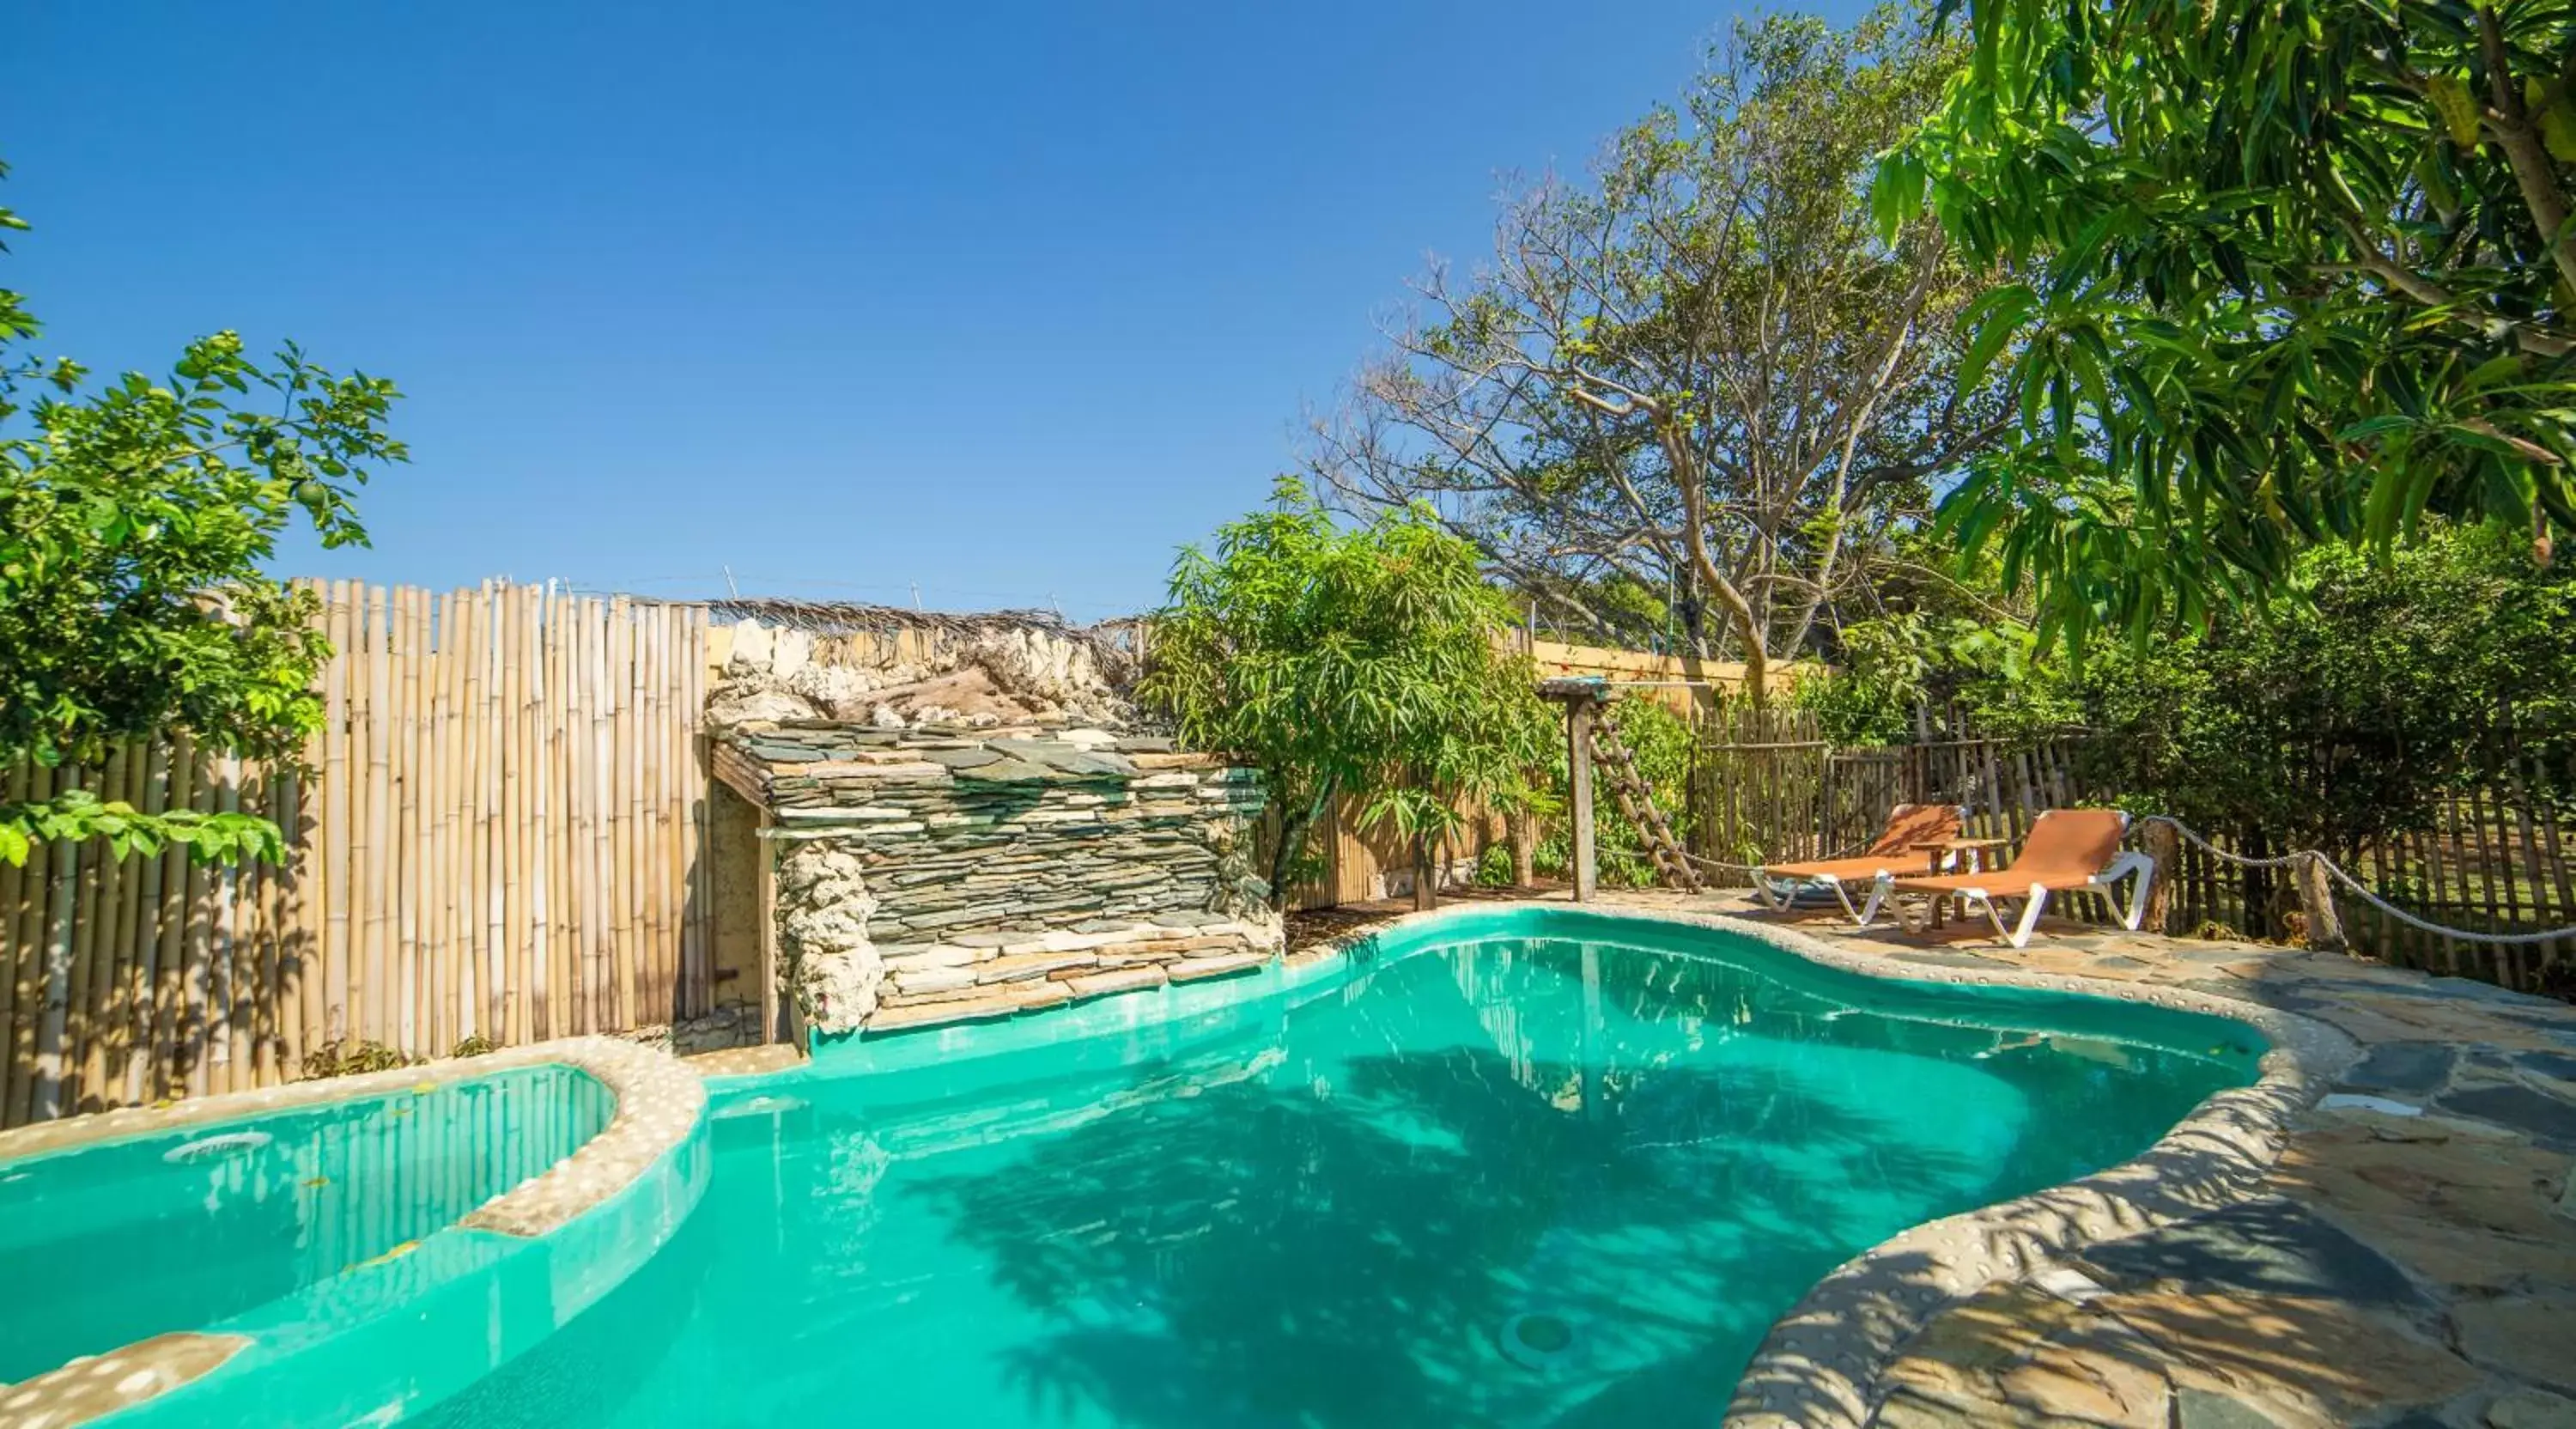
787,753
1949,960
2548,1120
2404,1067
2202,1409
2560,1065
1005,770
2488,992
2265,1247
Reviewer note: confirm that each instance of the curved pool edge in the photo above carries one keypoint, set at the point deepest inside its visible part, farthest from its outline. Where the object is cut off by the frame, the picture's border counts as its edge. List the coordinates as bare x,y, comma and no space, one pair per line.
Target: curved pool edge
538,1252
1822,1363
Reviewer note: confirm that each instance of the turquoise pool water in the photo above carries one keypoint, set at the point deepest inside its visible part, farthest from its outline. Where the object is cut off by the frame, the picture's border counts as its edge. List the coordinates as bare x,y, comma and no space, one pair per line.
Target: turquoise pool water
187,1230
1519,1169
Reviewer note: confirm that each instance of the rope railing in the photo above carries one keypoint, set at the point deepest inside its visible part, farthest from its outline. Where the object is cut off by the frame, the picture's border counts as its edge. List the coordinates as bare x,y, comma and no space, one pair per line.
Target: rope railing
2359,889
2336,871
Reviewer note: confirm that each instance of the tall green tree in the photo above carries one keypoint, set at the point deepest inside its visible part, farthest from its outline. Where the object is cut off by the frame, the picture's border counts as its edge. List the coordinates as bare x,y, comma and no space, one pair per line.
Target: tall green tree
134,520
1349,660
2279,274
1704,381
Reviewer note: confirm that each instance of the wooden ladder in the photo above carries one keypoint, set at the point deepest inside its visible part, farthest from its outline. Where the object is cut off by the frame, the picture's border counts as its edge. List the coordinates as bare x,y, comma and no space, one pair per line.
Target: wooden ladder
1637,802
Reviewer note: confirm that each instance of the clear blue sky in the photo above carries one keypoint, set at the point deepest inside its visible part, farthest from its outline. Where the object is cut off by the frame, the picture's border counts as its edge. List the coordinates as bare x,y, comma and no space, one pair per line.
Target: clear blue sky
1006,299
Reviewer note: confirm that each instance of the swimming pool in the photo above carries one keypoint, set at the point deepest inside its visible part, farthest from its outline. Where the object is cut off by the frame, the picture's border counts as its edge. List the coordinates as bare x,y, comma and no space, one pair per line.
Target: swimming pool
1522,1167
190,1228
334,1253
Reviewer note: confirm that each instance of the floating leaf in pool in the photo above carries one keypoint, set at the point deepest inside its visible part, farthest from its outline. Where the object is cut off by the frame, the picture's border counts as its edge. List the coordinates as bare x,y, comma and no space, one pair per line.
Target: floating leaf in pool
206,1148
317,1181
397,1253
425,1087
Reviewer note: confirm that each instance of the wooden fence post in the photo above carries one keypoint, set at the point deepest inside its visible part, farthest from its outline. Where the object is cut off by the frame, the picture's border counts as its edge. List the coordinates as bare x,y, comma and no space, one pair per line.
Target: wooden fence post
2164,849
1578,751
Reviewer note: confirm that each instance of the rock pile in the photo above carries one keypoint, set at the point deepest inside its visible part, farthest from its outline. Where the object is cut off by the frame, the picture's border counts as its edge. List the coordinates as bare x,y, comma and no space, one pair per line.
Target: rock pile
983,677
940,874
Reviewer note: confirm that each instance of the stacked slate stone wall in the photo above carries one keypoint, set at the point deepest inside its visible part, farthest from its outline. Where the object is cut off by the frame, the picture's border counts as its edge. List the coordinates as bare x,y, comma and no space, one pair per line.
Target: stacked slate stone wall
932,875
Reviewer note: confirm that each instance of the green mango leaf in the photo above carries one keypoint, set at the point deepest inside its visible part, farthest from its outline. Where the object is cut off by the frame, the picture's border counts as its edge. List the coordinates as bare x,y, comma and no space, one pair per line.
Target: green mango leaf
2454,107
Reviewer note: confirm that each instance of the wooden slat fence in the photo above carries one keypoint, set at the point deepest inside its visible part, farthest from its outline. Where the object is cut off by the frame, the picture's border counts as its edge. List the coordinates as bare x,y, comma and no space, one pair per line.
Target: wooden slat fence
500,839
2492,858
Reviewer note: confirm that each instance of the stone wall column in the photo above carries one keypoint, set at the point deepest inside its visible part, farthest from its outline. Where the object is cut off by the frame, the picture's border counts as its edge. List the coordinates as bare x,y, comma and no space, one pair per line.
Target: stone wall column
827,965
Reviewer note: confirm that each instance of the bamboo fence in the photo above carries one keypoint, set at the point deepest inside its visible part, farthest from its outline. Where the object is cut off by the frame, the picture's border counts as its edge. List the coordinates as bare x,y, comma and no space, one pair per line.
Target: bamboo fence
498,839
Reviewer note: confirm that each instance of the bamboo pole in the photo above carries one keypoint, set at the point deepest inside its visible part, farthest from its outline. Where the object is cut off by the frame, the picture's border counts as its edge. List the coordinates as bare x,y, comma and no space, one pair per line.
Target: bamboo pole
508,892
94,954
196,983
231,1038
531,993
27,971
142,937
483,786
543,914
622,777
61,917
14,888
169,982
567,747
410,1033
332,969
372,979
299,993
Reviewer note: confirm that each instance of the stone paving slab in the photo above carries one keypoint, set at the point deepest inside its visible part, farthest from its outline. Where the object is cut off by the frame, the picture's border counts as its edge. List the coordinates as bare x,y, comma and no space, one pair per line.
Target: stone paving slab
2408,1260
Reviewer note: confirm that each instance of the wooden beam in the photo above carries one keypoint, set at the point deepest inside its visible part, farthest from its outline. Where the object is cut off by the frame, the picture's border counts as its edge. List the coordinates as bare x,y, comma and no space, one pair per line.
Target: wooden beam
1578,753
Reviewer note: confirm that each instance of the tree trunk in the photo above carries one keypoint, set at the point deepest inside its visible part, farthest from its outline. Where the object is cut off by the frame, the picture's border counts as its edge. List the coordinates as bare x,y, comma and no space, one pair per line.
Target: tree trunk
2316,900
1426,874
1524,849
1293,827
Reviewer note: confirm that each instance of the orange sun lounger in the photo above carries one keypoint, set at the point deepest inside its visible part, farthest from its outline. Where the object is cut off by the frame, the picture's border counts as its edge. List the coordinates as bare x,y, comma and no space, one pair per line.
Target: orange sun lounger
1907,826
2068,850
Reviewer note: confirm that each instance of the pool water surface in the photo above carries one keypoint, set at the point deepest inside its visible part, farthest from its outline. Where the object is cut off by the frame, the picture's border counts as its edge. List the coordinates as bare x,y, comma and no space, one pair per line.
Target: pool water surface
188,1229
1563,1177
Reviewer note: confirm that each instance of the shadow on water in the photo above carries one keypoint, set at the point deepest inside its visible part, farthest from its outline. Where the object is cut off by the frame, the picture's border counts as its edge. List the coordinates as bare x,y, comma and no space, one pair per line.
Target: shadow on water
1266,1254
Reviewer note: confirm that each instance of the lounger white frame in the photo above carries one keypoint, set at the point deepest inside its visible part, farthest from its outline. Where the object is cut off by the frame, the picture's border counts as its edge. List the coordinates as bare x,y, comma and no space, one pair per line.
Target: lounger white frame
2127,864
1775,891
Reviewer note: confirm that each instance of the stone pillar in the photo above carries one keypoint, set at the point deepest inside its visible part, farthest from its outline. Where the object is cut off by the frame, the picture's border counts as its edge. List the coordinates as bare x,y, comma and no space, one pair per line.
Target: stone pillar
827,965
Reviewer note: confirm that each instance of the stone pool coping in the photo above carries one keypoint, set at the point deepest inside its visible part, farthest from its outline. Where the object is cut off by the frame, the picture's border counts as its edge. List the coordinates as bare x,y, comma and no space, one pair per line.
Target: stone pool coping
1825,1362
660,1105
